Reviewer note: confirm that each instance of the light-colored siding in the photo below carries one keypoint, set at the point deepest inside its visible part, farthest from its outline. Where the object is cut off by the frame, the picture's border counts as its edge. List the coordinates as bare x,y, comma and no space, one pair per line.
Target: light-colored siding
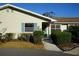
12,20
63,27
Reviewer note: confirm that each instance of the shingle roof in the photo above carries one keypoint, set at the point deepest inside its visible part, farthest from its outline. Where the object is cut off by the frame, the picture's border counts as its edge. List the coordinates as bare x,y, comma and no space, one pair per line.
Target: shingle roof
68,19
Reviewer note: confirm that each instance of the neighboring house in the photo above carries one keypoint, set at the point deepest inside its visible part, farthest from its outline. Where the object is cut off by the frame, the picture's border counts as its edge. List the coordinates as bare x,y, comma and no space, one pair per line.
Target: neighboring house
17,20
64,23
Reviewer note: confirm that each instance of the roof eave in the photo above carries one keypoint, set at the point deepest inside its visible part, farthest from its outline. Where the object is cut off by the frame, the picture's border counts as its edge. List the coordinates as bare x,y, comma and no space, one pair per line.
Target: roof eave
28,11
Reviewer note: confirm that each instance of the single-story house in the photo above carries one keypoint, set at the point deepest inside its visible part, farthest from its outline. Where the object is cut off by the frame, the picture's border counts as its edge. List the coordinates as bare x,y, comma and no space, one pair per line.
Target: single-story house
63,23
17,20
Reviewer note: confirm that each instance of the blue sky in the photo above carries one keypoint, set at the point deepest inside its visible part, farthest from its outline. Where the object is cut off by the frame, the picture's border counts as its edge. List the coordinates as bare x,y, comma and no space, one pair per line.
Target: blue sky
60,9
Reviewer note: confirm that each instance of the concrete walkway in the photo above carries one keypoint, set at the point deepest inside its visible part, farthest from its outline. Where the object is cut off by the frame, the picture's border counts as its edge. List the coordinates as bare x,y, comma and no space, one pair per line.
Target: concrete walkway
49,46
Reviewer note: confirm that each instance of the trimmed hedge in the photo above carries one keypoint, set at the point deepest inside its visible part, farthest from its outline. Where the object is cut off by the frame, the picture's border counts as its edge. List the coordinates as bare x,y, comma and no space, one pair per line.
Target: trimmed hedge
38,35
59,37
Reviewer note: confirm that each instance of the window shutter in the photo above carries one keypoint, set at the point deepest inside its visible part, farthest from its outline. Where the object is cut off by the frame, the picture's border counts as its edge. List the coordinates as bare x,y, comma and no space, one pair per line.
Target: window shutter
35,26
23,27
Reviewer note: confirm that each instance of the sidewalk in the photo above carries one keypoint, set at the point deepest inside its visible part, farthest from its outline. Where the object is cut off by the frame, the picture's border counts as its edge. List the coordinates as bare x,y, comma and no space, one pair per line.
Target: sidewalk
49,46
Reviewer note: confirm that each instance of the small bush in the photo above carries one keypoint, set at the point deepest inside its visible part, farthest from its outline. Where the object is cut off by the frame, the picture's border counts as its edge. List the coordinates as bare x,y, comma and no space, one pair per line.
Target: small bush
45,35
61,37
3,40
38,35
64,37
75,33
24,36
0,36
9,36
54,37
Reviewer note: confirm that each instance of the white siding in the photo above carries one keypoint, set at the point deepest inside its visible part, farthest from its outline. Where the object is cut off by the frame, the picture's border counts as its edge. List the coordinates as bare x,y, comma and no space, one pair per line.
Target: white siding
63,27
12,20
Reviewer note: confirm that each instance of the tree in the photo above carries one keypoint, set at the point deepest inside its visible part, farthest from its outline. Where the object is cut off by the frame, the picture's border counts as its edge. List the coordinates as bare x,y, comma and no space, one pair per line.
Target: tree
49,14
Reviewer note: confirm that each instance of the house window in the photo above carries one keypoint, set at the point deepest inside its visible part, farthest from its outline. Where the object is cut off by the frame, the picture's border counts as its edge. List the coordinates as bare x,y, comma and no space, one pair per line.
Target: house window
55,27
29,27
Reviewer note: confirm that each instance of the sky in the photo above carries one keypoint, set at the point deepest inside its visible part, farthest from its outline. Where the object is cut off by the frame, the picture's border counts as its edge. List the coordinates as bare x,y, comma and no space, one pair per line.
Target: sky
60,9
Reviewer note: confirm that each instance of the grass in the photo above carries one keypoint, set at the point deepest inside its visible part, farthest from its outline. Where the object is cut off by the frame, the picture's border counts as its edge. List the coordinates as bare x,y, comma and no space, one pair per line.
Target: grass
19,44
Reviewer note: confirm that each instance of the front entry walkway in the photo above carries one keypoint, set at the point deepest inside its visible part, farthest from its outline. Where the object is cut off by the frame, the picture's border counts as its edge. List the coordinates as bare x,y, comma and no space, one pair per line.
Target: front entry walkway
49,46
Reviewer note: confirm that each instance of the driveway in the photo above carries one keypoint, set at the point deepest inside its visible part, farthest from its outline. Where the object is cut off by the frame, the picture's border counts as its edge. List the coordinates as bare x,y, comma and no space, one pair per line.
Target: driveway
29,52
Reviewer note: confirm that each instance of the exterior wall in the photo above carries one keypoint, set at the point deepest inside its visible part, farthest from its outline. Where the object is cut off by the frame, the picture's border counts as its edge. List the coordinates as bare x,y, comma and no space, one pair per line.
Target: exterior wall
12,20
63,27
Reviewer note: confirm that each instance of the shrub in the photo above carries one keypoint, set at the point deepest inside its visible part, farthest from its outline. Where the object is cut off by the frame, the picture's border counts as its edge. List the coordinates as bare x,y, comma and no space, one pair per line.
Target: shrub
64,37
0,36
38,35
55,31
3,38
9,36
53,36
75,33
61,37
24,36
45,35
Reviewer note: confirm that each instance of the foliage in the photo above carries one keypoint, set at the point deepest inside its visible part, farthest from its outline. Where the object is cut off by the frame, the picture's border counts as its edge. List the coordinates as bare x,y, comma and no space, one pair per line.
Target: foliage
75,33
0,36
49,14
24,36
59,37
9,36
38,35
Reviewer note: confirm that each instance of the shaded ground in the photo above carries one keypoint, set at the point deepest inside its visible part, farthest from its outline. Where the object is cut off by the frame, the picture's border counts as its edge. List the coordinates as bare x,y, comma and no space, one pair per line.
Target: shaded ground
49,46
74,51
29,52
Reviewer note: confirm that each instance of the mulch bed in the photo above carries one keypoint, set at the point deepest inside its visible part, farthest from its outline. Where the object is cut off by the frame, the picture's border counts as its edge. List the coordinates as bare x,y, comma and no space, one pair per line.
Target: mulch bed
68,47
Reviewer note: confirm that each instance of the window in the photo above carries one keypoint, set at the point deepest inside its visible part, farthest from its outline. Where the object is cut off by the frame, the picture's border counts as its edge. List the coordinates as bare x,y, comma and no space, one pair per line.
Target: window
29,27
58,26
55,27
